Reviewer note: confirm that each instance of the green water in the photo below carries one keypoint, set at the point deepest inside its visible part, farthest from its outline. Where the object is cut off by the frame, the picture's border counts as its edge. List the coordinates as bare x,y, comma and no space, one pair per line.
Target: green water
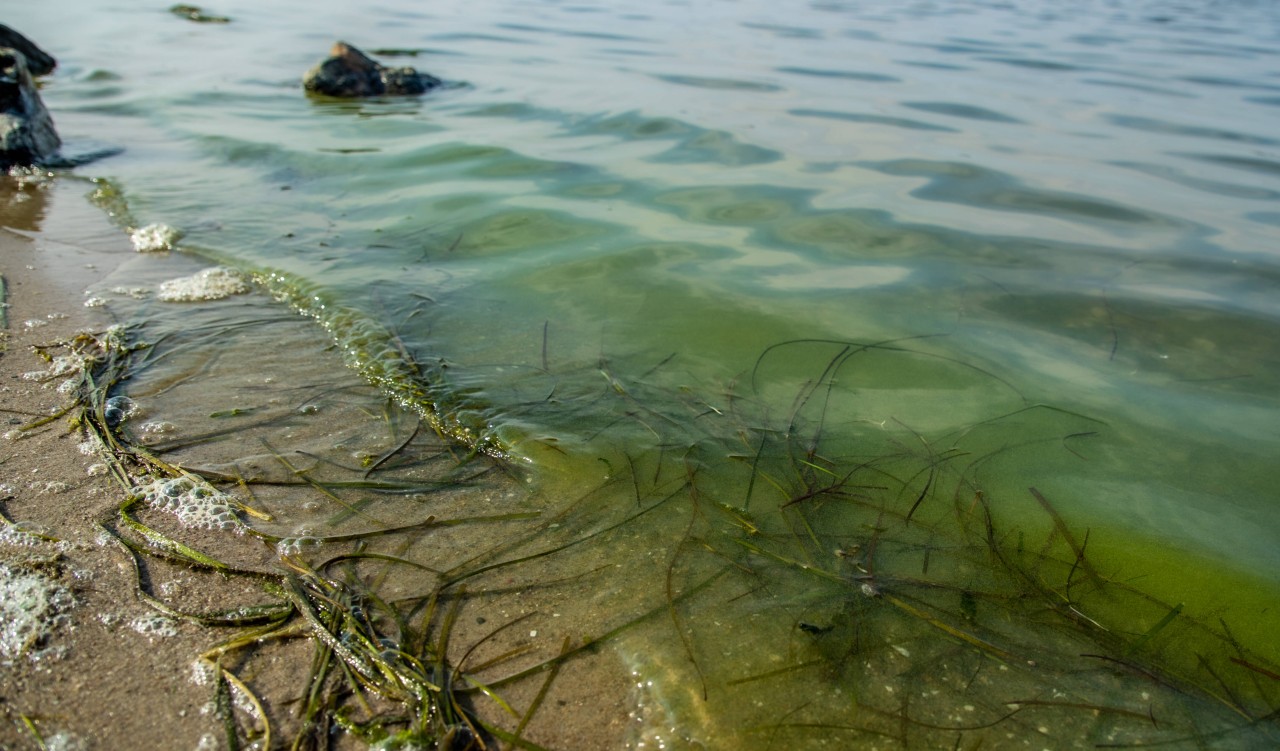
802,269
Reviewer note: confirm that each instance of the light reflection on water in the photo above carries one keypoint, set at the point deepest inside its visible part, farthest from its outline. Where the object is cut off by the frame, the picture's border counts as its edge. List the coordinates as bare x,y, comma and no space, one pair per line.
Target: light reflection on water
1076,206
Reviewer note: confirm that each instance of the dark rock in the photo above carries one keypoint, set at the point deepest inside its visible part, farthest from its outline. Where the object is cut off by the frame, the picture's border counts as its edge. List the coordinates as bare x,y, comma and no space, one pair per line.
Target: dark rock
39,62
197,14
348,72
26,130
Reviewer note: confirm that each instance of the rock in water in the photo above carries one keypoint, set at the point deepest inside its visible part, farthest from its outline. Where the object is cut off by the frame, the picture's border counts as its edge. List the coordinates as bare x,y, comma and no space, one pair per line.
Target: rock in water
39,62
348,72
26,130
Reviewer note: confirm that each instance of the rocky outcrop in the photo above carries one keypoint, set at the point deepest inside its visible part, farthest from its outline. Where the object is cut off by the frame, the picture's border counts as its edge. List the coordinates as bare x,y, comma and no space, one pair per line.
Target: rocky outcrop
26,129
348,72
39,62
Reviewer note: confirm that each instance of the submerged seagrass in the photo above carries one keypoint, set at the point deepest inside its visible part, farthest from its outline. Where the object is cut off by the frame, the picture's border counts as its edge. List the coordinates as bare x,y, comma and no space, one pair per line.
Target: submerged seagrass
881,576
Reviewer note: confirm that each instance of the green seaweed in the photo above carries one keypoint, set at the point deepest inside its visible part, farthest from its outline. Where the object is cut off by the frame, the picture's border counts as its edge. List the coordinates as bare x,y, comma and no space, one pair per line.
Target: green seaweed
898,566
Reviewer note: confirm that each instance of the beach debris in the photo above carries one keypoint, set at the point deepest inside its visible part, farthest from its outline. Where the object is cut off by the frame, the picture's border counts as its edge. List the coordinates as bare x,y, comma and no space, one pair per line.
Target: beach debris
213,283
348,72
27,135
154,237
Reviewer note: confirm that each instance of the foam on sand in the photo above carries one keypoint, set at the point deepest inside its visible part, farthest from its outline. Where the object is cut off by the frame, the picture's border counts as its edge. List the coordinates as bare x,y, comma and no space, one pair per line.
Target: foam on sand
32,605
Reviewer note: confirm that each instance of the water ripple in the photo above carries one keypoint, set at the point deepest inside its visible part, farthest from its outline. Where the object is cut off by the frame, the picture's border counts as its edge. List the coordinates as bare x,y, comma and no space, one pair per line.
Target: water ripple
571,33
972,185
1165,127
786,32
724,84
1269,167
693,144
1228,83
1216,187
853,117
957,109
851,75
1033,63
1146,88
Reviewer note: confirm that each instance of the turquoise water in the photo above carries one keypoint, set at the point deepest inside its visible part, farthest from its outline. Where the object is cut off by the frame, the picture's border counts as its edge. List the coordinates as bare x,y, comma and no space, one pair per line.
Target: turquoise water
1033,245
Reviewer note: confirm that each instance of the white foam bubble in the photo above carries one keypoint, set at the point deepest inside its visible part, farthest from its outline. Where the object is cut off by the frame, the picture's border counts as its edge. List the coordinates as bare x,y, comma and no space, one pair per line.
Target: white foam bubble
202,672
15,536
64,741
210,284
31,607
58,367
137,293
287,546
154,237
154,625
194,502
118,409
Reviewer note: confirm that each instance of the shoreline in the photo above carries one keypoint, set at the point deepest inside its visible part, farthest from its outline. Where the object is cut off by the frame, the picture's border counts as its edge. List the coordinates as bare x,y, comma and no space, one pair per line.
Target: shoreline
111,643
101,681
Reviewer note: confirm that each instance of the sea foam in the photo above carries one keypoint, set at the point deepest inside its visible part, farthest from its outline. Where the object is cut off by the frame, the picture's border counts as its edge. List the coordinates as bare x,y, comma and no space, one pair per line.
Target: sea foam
210,284
154,238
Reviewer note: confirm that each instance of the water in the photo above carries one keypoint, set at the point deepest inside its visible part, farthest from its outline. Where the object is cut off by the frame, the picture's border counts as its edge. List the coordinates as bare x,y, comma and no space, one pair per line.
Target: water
1025,245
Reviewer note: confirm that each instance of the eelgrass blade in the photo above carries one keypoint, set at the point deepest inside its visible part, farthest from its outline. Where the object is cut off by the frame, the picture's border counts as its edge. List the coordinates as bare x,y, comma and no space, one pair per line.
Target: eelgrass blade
224,709
30,725
249,615
250,697
1141,641
170,545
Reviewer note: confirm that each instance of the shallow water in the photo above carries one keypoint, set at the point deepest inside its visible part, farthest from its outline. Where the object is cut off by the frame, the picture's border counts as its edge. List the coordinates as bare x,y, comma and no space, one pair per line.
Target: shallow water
1012,247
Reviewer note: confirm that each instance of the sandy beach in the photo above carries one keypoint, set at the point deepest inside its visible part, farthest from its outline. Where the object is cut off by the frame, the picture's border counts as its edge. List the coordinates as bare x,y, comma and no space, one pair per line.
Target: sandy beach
103,676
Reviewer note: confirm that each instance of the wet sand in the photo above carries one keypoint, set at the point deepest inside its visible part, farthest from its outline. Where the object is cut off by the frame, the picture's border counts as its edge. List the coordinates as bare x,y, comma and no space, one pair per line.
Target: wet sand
100,681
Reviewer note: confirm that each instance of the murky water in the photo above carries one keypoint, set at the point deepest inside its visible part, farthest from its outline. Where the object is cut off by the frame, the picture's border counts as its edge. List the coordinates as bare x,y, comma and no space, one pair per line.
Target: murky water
847,261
